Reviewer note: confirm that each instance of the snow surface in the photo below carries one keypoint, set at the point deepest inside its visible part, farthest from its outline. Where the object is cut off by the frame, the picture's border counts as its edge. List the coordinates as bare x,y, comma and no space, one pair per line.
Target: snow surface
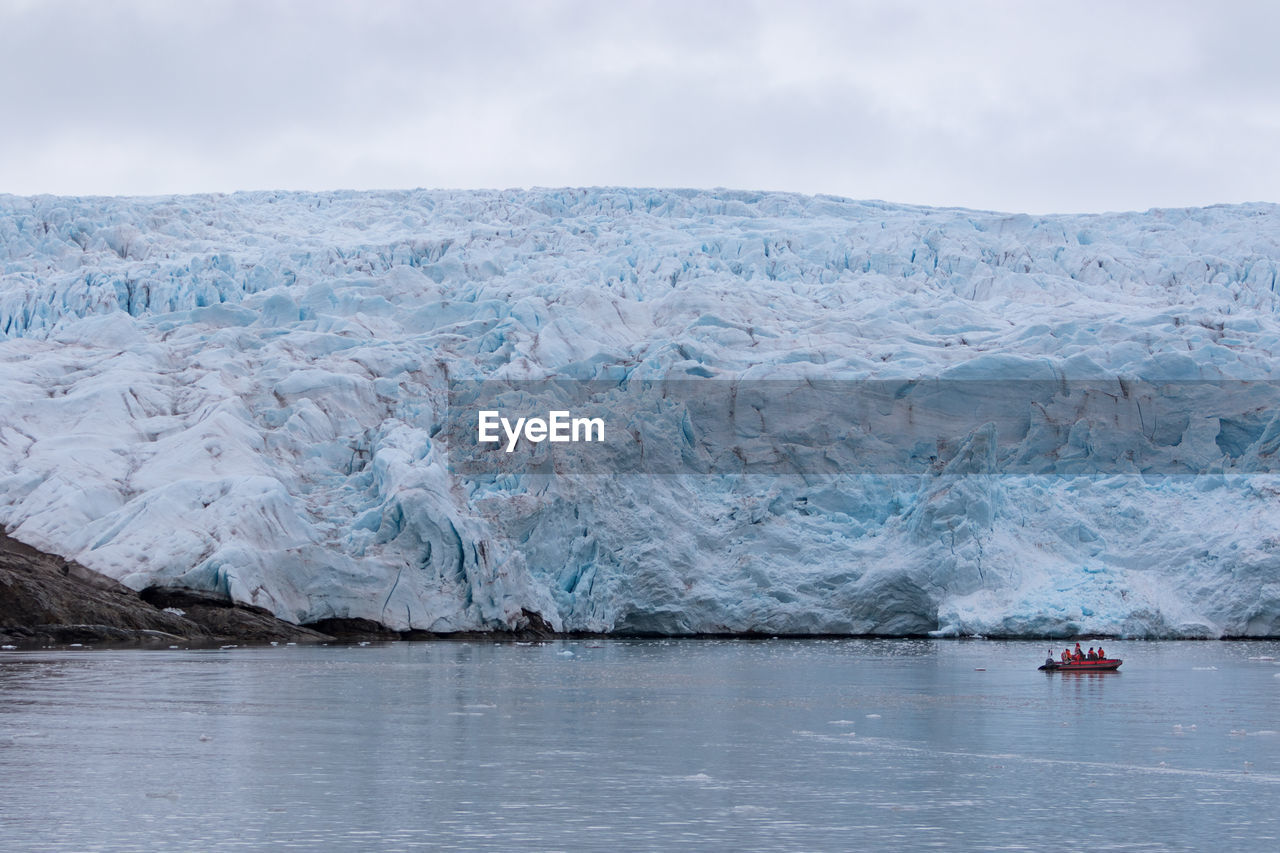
246,393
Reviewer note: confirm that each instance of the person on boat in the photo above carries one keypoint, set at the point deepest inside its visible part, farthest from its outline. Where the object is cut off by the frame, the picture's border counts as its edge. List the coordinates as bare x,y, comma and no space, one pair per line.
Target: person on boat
1092,654
1077,654
1101,654
1066,655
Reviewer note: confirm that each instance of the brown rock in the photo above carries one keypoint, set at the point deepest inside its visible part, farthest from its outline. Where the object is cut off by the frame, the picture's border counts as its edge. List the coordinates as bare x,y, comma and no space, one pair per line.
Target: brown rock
46,599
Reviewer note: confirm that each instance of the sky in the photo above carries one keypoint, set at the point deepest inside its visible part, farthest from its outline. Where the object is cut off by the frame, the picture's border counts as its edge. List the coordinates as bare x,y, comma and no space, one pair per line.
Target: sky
1034,106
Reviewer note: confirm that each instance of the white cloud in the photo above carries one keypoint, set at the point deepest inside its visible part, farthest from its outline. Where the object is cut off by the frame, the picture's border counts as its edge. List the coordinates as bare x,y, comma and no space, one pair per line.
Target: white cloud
1022,106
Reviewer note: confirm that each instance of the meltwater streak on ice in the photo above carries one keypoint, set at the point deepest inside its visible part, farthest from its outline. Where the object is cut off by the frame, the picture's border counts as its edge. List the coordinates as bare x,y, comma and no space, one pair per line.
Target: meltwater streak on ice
820,744
249,394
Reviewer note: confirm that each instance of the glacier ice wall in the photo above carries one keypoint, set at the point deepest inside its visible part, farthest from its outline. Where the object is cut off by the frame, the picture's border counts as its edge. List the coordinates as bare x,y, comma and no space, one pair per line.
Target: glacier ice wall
245,393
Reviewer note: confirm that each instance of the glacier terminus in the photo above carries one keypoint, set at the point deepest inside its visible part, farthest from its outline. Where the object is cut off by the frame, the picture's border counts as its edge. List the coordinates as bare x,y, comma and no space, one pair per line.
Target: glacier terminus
250,395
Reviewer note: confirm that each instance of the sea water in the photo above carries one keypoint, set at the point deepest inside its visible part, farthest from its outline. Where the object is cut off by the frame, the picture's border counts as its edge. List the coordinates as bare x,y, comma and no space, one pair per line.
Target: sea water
641,744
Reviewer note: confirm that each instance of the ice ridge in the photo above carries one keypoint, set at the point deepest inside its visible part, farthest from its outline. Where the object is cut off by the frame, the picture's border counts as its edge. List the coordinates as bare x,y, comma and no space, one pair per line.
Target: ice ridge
246,393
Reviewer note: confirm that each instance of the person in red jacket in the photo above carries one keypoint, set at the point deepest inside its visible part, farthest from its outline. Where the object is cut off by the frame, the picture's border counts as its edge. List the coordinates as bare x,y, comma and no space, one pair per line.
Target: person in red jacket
1077,654
1101,654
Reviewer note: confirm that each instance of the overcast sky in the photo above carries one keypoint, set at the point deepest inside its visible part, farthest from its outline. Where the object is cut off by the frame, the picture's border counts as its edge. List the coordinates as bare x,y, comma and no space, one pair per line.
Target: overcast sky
1031,106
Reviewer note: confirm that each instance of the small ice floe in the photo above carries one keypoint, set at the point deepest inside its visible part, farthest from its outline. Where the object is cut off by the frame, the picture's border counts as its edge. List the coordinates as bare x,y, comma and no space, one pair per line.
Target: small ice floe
173,647
364,642
291,644
749,810
841,723
1262,657
77,646
275,643
1178,728
873,716
1204,669
176,611
229,646
8,648
696,777
205,738
1238,733
565,654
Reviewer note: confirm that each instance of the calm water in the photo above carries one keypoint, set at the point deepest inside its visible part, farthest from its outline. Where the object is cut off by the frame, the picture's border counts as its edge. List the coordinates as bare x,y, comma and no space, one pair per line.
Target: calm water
786,745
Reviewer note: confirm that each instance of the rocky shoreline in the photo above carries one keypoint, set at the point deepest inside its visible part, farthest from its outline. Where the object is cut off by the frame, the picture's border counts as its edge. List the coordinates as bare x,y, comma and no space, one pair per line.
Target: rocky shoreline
47,600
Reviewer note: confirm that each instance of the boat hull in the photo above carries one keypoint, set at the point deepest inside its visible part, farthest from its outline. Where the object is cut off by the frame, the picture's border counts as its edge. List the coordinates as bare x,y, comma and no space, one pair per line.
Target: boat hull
1108,665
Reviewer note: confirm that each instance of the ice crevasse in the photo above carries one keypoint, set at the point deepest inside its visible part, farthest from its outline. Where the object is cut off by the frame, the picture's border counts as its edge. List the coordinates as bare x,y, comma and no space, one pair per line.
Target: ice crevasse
247,393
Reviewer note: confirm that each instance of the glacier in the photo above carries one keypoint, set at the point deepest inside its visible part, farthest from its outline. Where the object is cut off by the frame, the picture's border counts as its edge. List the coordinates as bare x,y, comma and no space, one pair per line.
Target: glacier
248,394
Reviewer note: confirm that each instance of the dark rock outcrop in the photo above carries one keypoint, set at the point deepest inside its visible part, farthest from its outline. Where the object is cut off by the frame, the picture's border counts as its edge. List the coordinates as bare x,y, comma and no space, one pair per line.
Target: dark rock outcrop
529,626
354,629
45,599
